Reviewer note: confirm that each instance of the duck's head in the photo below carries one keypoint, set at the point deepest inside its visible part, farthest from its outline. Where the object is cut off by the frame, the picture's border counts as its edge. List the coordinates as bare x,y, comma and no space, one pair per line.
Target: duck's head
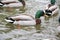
39,16
52,2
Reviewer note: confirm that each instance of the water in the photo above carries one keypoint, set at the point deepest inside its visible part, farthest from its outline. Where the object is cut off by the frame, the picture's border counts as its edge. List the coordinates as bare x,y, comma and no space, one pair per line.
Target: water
45,31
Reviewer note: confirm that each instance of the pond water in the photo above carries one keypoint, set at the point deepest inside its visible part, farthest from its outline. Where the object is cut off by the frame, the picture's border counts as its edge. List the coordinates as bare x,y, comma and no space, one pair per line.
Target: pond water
45,31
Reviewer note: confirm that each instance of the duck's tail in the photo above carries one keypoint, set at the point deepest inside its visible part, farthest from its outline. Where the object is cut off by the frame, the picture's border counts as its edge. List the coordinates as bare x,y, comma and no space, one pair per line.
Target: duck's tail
9,20
1,4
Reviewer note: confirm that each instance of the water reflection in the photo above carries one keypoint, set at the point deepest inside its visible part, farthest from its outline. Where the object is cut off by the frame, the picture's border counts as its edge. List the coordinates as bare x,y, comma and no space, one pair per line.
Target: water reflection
38,28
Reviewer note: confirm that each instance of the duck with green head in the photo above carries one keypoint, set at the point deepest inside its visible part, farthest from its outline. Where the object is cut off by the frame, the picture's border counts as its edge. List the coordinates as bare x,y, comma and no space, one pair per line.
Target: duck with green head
51,8
24,19
39,16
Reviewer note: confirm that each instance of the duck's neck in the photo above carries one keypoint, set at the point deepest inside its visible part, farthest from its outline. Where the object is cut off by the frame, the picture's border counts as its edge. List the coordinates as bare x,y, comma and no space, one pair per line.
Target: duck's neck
38,15
38,21
23,2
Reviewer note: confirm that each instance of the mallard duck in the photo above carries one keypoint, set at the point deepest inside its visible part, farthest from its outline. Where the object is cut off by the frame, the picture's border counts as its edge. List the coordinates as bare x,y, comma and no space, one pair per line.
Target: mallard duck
26,19
51,8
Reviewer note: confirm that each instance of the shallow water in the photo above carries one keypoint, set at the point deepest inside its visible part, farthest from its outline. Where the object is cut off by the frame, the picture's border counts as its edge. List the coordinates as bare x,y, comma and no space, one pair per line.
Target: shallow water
47,29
